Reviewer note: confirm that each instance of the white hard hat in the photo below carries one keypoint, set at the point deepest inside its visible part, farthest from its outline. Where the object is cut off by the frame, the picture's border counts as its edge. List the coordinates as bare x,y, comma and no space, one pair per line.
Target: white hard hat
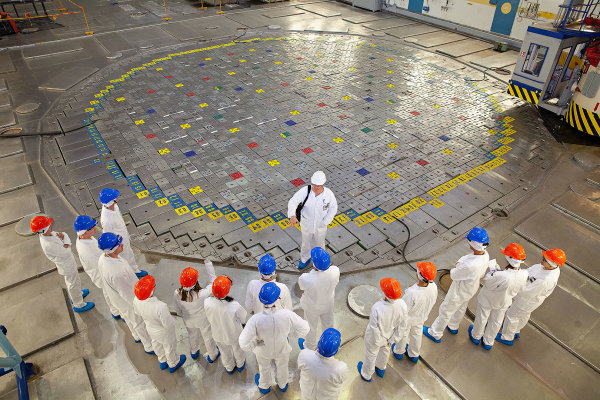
318,178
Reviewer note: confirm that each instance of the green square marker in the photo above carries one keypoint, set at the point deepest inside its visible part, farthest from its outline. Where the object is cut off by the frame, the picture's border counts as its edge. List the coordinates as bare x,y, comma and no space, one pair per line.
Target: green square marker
255,67
391,101
285,134
366,130
370,76
218,116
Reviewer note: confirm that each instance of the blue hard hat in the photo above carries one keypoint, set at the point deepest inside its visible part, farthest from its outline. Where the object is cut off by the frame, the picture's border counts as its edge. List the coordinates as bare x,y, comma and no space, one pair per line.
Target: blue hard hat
108,241
478,235
320,258
269,293
266,265
84,223
330,342
108,194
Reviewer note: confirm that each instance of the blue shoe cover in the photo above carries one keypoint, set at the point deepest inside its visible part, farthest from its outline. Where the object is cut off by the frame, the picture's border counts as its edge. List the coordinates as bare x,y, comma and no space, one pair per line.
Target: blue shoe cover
212,361
359,367
426,333
301,343
476,341
137,341
179,364
230,372
398,356
379,372
486,346
240,369
263,391
116,316
149,352
88,306
452,331
506,342
413,359
285,388
517,335
85,292
195,355
302,265
163,365
141,274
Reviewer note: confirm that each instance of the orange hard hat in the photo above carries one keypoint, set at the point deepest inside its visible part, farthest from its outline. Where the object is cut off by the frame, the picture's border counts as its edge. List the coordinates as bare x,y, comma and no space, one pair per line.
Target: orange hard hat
391,288
427,270
40,222
189,277
144,287
557,256
221,286
515,251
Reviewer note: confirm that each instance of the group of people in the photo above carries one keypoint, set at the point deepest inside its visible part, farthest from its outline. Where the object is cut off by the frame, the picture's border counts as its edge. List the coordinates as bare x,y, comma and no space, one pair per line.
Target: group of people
266,322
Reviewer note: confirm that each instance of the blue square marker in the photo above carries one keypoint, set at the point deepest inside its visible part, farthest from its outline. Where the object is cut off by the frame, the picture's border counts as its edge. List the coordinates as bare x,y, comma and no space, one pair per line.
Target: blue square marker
290,123
201,65
311,72
151,111
189,153
363,172
444,138
371,58
368,99
269,51
239,89
490,156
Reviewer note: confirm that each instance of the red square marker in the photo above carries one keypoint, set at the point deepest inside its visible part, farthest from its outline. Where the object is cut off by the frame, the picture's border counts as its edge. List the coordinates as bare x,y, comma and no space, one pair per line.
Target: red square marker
206,79
415,113
190,94
252,145
236,175
321,104
455,99
333,60
297,182
299,58
326,87
462,118
230,54
151,91
150,136
343,116
285,84
422,163
307,150
168,76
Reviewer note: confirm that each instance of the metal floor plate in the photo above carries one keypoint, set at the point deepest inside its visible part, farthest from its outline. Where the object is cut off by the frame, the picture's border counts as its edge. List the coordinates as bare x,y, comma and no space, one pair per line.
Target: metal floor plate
17,204
581,208
464,47
15,173
436,38
6,63
7,118
389,23
319,10
68,78
402,32
498,60
11,146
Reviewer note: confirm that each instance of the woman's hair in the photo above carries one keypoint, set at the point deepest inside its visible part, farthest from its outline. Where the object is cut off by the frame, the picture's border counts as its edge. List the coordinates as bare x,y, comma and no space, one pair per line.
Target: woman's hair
228,299
185,296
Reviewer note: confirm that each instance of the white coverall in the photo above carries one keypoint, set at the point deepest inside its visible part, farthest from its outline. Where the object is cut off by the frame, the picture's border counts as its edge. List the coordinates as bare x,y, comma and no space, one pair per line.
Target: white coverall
499,288
89,253
253,304
419,301
387,323
317,213
320,377
266,334
119,280
540,284
112,221
54,249
160,325
466,276
317,300
226,319
194,317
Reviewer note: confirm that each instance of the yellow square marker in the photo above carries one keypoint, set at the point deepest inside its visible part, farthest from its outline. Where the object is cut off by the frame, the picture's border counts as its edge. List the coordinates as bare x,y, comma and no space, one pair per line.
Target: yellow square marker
232,216
370,216
277,62
179,85
185,126
208,59
333,224
346,98
295,112
309,79
242,60
390,71
437,106
120,98
142,194
387,218
259,91
195,190
182,210
164,151
284,223
159,69
391,121
198,212
351,68
215,214
273,163
203,105
436,203
342,218
392,145
338,139
162,202
447,151
231,73
256,226
390,85
139,122
393,175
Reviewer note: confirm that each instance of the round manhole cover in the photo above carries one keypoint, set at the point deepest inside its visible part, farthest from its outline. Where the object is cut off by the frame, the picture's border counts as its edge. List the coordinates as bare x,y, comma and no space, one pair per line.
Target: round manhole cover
11,131
27,108
362,298
444,279
22,227
219,246
31,29
499,213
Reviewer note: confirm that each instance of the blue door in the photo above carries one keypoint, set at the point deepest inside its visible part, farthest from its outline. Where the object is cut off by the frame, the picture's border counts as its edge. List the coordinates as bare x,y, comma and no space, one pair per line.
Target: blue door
506,10
415,6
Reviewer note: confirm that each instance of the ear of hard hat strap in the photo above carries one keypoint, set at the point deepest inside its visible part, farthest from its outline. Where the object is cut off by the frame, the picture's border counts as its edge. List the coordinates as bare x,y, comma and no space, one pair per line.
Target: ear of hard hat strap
301,206
421,277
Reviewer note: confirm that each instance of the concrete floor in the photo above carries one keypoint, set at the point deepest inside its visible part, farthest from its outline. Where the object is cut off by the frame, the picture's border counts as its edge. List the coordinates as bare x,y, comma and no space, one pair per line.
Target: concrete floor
92,356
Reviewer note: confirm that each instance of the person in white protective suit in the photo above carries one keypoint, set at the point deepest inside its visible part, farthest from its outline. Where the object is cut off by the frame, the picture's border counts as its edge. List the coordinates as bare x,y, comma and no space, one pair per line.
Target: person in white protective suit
112,221
189,304
387,323
542,280
57,247
266,334
318,297
419,300
266,267
466,277
160,324
226,317
499,288
318,210
119,281
89,254
321,375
